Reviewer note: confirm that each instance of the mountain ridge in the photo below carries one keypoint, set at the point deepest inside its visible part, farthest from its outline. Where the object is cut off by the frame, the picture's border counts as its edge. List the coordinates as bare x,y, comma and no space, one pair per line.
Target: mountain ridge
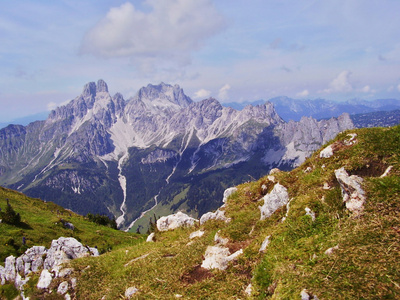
103,150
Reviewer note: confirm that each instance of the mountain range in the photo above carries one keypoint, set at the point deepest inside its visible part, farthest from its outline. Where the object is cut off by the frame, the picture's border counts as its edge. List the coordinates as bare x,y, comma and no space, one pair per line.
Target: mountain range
158,152
294,109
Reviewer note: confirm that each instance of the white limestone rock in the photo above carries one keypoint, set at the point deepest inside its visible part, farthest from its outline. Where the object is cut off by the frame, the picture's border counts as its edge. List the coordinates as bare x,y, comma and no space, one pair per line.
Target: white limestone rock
264,244
130,292
228,192
326,152
305,295
198,233
386,173
220,240
248,290
217,257
64,249
45,279
331,250
19,282
62,288
65,272
9,268
277,198
2,275
352,192
174,221
310,213
150,238
217,215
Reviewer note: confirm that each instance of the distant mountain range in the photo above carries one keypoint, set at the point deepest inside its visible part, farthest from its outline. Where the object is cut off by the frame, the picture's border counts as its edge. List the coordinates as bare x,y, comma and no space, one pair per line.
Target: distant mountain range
294,109
158,152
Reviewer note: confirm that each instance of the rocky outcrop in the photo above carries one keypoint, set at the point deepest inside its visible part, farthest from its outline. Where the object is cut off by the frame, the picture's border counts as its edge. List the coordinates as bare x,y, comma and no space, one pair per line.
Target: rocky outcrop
352,192
274,200
218,257
219,214
62,250
174,221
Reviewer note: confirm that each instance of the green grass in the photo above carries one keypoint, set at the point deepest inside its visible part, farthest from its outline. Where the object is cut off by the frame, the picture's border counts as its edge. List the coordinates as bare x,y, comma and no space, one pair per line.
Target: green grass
41,224
365,266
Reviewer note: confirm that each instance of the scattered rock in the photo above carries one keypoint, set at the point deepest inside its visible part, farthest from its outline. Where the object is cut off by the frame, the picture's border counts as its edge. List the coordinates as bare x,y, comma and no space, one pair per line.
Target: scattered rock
195,234
9,268
65,272
277,198
271,178
331,250
287,210
228,192
217,257
178,296
352,192
274,171
220,240
150,238
326,152
45,279
62,288
264,244
305,295
217,215
130,292
308,170
326,186
352,139
386,173
174,221
248,290
310,213
73,283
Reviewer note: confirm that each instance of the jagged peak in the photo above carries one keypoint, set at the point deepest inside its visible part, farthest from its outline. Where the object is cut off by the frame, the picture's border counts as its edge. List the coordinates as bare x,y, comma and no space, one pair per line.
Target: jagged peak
89,89
101,86
164,92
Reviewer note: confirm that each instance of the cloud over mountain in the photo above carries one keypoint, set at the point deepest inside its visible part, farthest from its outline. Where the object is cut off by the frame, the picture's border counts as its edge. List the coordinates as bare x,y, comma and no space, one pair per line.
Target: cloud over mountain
169,29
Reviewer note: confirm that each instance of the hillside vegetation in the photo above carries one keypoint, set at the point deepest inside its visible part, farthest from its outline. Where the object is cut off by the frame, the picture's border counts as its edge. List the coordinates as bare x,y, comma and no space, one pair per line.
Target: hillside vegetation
41,222
363,261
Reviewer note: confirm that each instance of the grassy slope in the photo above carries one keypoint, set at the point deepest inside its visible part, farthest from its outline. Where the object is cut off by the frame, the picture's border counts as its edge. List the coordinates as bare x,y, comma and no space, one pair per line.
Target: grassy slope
41,224
364,267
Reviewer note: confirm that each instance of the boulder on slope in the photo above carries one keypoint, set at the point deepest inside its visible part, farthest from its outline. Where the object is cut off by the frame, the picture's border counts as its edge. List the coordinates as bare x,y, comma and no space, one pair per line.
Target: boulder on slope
174,221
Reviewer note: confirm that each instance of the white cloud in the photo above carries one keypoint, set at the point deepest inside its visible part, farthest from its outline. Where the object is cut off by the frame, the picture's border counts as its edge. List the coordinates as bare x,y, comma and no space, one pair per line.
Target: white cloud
202,94
171,29
340,83
367,89
223,92
53,105
398,87
304,93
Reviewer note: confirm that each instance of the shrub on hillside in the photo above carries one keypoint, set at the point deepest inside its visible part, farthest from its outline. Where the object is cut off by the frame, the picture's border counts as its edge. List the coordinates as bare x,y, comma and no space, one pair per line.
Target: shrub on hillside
10,216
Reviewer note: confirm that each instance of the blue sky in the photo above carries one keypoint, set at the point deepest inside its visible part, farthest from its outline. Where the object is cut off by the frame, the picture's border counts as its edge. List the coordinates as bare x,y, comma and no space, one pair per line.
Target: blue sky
230,50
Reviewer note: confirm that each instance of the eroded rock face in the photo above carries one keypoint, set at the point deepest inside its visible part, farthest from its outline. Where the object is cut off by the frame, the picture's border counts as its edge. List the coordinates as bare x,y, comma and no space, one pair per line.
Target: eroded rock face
277,198
352,192
65,249
174,221
61,250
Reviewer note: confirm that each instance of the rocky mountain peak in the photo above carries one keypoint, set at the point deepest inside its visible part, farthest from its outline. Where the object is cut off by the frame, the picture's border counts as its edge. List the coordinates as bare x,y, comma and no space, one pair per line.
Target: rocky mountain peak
89,89
101,86
163,95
